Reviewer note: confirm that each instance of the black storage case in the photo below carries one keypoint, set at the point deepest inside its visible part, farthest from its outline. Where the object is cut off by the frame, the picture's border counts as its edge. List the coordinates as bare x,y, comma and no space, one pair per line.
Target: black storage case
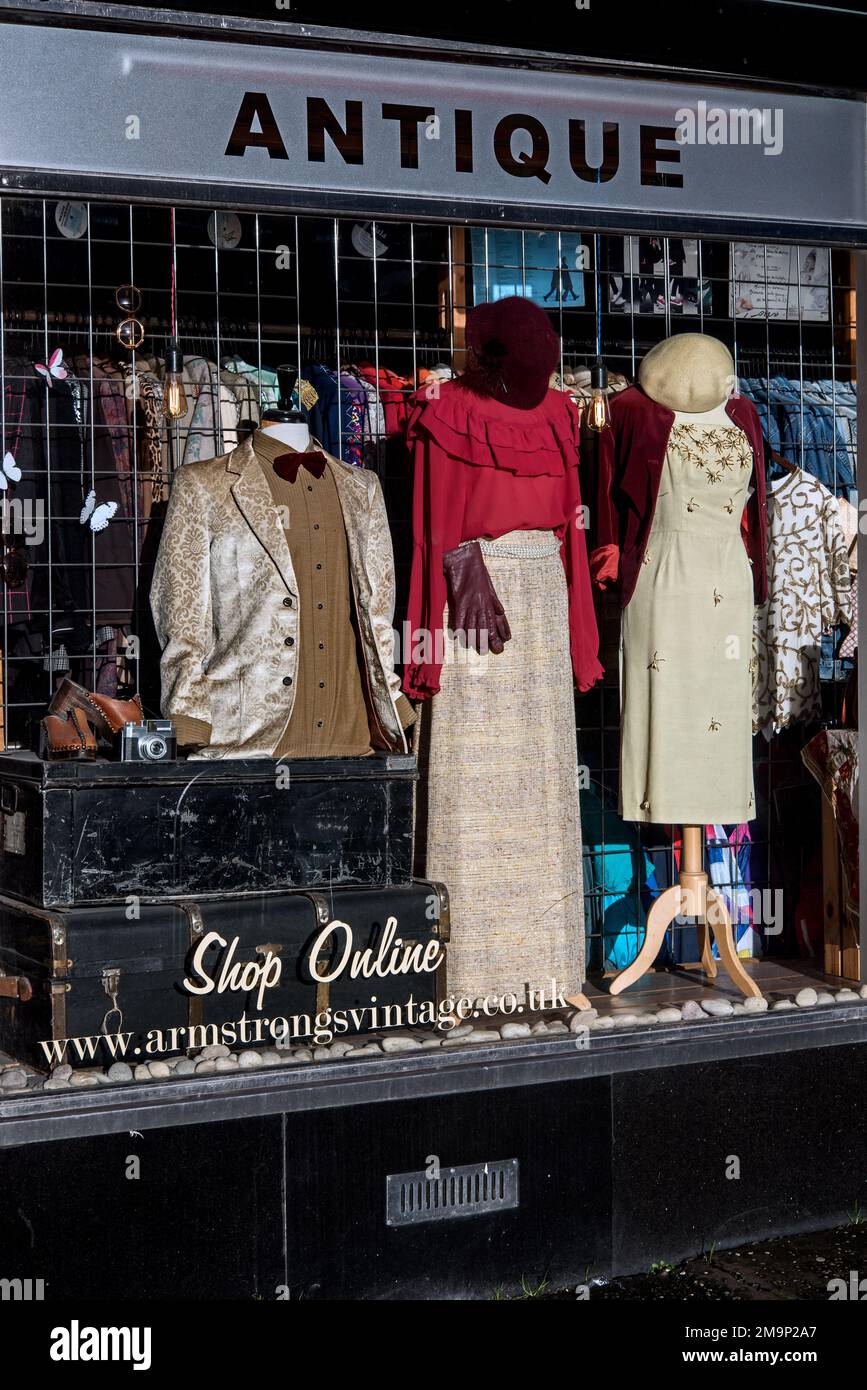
86,971
98,832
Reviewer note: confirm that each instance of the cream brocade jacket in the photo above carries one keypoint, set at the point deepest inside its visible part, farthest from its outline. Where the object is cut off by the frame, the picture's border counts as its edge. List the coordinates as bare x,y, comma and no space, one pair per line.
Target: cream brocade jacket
222,579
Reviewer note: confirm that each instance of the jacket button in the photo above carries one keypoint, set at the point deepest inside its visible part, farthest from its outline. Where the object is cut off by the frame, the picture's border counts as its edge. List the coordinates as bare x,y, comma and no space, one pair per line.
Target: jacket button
289,641
287,603
287,680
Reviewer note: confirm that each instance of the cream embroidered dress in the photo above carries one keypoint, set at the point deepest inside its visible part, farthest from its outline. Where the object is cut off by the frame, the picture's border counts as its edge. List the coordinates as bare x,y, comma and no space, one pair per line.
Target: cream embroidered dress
686,653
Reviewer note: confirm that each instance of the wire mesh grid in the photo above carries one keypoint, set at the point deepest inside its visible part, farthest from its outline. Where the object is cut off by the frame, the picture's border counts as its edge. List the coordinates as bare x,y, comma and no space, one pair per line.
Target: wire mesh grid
367,310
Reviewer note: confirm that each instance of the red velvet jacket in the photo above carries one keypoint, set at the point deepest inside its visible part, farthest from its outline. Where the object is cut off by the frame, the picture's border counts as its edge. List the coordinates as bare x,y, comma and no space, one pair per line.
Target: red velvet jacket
631,455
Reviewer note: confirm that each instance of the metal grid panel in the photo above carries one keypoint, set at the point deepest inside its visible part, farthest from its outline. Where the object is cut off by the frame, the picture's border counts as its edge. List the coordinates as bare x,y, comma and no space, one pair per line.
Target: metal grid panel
310,289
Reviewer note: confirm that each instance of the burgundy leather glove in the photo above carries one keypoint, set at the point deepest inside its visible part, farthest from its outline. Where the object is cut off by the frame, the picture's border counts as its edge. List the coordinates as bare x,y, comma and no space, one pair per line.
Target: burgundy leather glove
475,607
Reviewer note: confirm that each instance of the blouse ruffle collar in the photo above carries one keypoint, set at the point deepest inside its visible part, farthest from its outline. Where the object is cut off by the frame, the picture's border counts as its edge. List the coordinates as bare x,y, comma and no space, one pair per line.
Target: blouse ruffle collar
488,434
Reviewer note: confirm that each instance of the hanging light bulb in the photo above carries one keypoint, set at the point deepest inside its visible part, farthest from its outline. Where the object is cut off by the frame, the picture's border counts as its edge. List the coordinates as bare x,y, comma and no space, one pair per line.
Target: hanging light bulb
597,417
174,397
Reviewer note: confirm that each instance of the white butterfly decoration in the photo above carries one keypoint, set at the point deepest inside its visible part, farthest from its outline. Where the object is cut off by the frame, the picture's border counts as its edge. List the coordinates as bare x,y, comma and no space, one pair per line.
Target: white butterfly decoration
100,516
55,367
10,470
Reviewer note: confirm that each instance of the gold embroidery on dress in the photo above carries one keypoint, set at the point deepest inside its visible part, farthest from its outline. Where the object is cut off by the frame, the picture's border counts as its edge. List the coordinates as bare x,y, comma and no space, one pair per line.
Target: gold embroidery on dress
714,726
653,664
712,451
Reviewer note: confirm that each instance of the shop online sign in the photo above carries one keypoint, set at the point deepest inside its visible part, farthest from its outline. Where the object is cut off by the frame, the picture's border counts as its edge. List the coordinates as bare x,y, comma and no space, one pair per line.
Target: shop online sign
221,116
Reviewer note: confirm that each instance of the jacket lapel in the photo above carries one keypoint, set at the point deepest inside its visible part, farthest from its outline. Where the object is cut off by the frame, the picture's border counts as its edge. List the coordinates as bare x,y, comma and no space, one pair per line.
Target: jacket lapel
253,496
351,484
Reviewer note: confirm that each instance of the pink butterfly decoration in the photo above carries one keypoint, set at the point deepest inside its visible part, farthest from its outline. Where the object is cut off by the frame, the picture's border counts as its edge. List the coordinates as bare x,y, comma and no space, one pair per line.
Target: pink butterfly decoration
55,367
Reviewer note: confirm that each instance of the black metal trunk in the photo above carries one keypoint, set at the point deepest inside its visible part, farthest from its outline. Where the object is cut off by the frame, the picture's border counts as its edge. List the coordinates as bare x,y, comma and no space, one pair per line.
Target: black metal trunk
77,833
172,975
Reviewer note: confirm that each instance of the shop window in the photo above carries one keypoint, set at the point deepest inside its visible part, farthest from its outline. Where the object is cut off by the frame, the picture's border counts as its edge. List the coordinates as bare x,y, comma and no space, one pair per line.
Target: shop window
365,314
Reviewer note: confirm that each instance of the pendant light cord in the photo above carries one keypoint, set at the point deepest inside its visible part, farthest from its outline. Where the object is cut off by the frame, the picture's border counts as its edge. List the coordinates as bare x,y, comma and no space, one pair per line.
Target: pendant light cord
174,323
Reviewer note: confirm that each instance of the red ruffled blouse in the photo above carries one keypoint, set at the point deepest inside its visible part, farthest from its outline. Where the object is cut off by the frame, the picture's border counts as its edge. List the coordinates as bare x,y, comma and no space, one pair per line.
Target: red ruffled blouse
483,469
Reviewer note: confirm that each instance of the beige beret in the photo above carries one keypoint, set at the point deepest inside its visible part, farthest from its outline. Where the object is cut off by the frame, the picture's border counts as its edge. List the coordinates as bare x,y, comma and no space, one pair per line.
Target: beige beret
688,372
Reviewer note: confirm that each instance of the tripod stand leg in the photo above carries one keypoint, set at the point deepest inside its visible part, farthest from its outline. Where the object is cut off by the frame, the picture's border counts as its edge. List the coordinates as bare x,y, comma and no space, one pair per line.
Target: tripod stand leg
708,964
659,919
720,924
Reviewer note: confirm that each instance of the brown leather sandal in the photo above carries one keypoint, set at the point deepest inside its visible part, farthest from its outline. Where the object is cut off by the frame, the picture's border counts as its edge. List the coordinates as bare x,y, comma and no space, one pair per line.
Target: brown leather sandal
66,736
107,715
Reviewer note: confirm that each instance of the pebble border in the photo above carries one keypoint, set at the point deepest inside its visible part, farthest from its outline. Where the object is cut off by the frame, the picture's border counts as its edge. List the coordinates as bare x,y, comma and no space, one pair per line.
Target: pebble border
16,1077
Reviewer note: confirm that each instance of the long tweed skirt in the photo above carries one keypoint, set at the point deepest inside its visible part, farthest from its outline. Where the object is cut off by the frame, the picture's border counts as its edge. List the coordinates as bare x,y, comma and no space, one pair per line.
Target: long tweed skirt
499,767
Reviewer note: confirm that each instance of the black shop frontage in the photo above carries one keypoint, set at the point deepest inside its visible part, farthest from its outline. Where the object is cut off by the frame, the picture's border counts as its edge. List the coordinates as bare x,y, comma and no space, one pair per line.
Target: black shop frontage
296,882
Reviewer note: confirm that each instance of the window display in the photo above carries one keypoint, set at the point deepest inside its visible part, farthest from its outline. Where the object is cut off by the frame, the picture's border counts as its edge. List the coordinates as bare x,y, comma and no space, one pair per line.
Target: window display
377,543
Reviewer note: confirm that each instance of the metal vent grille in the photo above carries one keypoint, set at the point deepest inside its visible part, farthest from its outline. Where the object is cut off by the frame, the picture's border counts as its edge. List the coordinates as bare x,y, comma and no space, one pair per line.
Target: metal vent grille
470,1190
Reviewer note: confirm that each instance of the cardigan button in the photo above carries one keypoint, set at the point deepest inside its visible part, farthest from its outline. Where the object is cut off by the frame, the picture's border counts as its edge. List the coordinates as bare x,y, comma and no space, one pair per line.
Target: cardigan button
287,680
287,603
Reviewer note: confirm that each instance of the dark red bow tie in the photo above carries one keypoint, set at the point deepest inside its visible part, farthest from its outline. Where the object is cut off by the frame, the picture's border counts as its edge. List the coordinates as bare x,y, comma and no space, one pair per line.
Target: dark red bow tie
287,465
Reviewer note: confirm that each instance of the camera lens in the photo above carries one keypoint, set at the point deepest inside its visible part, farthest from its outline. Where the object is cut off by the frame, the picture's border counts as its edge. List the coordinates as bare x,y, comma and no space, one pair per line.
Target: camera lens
153,748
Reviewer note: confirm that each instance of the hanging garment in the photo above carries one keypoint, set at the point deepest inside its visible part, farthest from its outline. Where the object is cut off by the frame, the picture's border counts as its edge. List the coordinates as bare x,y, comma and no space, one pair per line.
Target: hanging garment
395,392
686,684
809,590
213,421
849,646
144,392
337,418
832,757
109,475
801,425
248,410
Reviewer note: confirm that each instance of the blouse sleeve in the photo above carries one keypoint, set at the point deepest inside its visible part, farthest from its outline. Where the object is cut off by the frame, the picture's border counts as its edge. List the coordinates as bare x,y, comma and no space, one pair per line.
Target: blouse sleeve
439,489
836,579
604,524
583,633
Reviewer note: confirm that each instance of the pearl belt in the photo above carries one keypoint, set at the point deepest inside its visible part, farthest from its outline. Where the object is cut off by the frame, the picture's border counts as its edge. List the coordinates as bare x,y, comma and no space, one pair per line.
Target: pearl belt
515,550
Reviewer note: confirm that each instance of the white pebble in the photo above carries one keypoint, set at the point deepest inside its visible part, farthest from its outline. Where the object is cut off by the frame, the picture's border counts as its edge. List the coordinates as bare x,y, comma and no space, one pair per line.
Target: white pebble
806,998
692,1011
718,1008
401,1044
515,1030
755,1004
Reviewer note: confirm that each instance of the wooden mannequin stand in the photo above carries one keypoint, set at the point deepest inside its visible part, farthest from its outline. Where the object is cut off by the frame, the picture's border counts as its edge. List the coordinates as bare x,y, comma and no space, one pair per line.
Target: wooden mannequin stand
691,896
